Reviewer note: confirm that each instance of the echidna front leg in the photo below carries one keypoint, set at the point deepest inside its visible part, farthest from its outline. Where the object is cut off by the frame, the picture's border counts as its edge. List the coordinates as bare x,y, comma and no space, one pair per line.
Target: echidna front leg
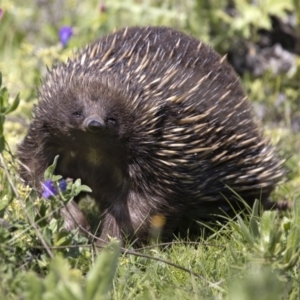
116,223
74,217
134,220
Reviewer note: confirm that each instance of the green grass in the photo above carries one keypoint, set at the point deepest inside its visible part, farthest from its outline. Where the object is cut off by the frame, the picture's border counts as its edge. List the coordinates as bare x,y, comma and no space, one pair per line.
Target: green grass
253,256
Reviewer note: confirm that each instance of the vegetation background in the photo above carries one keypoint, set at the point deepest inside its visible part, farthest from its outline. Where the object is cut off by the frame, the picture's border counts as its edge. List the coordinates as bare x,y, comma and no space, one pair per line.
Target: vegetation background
253,256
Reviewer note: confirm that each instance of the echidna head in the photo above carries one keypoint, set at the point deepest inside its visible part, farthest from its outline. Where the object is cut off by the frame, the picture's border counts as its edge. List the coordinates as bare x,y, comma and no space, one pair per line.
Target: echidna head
84,107
86,121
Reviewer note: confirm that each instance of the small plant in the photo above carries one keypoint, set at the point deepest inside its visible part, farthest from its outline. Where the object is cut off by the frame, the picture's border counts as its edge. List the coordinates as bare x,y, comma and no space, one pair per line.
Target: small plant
62,282
274,240
5,109
55,185
58,192
269,257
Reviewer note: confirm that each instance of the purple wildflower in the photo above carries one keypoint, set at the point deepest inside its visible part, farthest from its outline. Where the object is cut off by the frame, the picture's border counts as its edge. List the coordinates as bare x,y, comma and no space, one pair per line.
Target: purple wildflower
49,189
65,34
1,13
62,185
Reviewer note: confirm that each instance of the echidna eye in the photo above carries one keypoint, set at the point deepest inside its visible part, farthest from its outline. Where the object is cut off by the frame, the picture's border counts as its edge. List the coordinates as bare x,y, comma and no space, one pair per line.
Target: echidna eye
77,114
112,122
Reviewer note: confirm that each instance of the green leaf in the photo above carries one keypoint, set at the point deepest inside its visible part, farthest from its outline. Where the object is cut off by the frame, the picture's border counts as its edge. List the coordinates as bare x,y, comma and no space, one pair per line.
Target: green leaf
286,223
56,177
296,210
2,120
50,170
75,185
253,224
82,188
0,79
13,106
62,238
35,288
274,244
69,291
2,143
61,283
77,182
41,217
245,231
4,202
234,255
78,188
100,278
267,225
4,95
293,239
294,260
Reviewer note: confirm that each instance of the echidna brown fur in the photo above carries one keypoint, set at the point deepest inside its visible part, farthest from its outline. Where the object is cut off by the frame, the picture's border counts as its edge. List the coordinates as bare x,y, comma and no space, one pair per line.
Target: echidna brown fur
157,124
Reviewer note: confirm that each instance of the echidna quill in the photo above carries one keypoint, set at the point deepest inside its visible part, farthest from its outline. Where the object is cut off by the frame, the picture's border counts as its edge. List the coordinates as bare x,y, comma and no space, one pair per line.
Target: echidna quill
157,124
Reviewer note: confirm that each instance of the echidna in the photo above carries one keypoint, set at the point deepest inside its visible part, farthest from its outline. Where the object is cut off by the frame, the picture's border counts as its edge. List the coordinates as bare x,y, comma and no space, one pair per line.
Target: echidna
156,123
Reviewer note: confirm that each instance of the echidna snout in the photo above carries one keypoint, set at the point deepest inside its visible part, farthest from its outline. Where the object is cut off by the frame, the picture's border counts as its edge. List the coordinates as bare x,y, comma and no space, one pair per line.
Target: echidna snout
94,123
